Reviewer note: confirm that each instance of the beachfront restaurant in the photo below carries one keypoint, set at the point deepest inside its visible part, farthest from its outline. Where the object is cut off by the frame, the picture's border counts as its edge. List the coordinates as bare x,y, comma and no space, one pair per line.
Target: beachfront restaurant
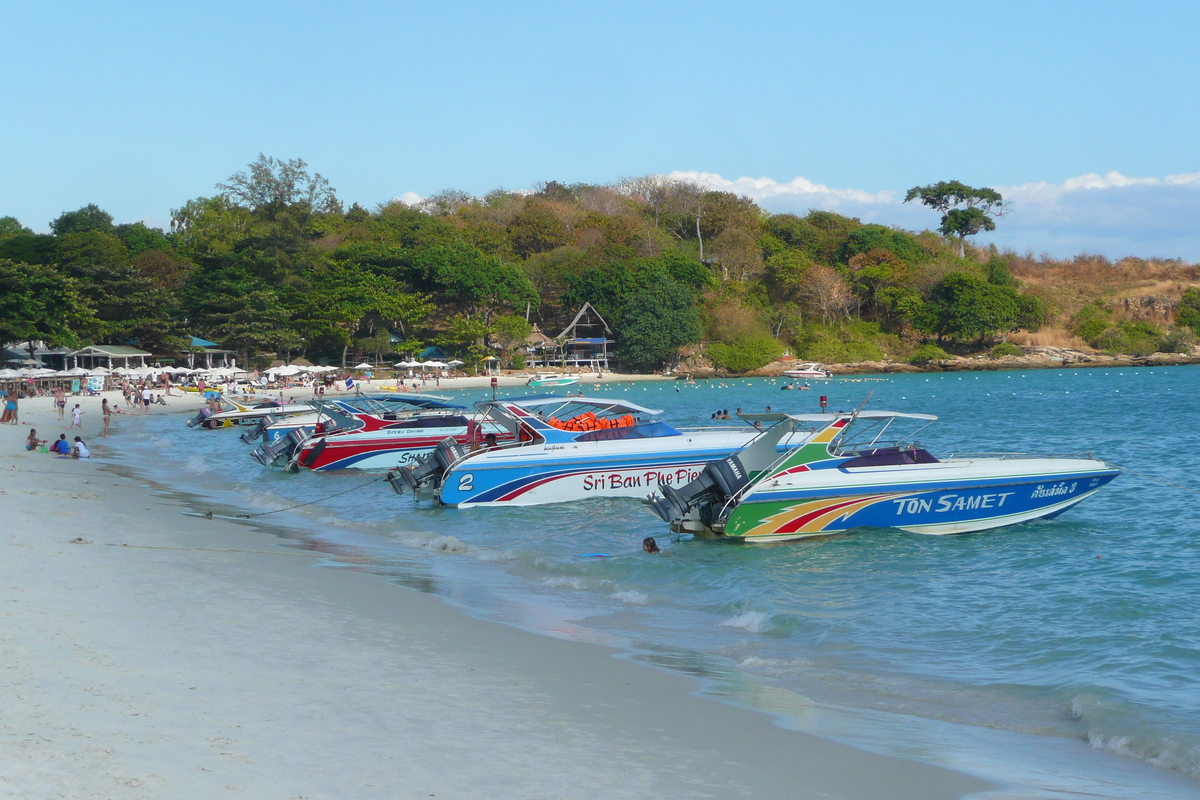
108,356
210,352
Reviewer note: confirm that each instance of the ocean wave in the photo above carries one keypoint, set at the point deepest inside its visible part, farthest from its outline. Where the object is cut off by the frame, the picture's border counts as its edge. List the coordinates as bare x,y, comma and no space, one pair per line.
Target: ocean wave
753,621
631,598
1116,728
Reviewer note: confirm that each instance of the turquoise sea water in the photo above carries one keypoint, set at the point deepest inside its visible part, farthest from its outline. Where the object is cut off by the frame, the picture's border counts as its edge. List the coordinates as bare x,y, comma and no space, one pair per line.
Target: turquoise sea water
1061,658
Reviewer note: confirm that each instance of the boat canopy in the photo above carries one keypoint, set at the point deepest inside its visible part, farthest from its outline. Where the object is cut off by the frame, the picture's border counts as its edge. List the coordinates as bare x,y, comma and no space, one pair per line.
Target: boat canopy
539,403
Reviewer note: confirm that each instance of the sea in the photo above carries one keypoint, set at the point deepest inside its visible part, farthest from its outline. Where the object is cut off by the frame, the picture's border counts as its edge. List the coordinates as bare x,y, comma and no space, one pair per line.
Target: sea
1057,658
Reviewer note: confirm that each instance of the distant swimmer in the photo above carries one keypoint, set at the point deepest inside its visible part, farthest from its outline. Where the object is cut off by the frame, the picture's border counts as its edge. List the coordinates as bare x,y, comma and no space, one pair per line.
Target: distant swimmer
649,545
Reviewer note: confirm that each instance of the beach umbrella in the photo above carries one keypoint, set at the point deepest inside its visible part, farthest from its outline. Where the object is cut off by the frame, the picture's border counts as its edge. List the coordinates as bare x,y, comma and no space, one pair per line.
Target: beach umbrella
435,364
79,371
363,365
454,363
9,373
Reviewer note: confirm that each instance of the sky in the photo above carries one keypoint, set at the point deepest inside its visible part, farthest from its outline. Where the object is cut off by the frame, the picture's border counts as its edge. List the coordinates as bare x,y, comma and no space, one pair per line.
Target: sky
1083,115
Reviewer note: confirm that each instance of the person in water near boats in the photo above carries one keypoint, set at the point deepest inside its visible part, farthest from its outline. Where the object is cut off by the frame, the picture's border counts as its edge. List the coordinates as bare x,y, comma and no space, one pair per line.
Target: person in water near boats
649,545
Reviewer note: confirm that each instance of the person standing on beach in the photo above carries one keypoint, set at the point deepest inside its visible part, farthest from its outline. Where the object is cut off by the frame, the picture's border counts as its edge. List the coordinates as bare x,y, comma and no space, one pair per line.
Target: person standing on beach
146,397
76,417
107,412
7,408
60,400
10,408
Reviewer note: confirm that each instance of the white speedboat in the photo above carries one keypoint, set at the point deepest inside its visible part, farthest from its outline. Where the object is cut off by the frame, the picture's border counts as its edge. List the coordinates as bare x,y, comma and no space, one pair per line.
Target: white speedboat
851,474
551,379
244,410
383,405
566,449
812,371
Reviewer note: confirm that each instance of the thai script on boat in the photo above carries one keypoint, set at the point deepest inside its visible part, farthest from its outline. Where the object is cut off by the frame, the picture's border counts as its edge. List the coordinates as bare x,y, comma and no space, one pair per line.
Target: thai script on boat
649,479
1053,491
951,502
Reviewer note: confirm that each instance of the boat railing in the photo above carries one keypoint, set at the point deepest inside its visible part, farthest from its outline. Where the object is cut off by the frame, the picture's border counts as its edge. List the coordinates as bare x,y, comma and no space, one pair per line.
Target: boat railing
1005,456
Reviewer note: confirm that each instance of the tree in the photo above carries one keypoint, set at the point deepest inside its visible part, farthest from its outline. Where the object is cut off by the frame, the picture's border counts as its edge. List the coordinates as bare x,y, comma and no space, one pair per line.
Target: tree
40,302
89,218
343,298
478,284
1187,311
827,291
964,306
139,238
11,226
509,331
655,323
271,185
965,210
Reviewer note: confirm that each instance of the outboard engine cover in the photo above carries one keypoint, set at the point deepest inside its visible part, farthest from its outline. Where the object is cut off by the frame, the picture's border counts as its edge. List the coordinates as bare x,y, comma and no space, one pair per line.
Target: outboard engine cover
719,481
428,468
281,449
258,430
204,414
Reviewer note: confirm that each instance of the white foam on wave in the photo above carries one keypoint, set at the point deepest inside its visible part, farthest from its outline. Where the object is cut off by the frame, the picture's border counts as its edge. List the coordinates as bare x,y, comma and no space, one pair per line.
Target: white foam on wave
566,583
1161,748
774,666
196,465
631,598
753,621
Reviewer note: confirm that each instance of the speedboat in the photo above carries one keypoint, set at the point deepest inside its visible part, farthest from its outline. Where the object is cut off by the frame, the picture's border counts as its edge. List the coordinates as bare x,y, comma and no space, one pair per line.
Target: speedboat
549,379
566,449
852,473
364,440
812,371
272,429
247,410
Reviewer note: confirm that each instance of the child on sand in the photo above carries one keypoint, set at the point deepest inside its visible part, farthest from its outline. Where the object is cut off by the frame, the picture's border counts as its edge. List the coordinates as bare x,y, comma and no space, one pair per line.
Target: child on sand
32,442
80,449
76,417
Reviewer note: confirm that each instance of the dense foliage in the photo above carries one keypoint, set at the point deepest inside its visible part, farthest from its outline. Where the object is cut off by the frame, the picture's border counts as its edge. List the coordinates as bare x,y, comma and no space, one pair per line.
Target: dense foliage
274,265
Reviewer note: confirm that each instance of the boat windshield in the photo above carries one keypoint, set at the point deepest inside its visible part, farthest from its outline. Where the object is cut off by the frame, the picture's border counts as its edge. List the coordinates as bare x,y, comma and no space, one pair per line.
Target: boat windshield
872,432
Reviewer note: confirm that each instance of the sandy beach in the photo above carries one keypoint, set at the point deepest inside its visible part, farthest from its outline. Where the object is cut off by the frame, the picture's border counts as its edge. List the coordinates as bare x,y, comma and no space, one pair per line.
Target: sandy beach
153,654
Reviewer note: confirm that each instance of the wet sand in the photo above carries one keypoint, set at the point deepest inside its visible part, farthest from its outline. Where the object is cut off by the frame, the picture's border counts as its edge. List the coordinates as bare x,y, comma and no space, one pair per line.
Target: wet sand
173,656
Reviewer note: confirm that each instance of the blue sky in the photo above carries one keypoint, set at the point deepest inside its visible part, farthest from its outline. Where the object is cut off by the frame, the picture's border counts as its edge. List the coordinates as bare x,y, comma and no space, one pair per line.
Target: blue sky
139,107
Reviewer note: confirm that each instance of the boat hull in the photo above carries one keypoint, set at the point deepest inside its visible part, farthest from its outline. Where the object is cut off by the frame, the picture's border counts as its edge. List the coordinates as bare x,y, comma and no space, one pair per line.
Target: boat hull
351,452
542,474
949,508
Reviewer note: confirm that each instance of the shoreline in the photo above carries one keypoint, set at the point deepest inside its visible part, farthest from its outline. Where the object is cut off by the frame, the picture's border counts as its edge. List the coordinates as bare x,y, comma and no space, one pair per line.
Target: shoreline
207,656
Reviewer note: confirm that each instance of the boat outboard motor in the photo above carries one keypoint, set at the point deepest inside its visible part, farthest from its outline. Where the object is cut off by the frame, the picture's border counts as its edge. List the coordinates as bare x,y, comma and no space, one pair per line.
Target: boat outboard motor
281,449
204,414
428,468
258,430
719,481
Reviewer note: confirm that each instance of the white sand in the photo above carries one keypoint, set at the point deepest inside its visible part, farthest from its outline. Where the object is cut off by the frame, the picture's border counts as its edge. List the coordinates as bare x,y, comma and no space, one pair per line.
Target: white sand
198,670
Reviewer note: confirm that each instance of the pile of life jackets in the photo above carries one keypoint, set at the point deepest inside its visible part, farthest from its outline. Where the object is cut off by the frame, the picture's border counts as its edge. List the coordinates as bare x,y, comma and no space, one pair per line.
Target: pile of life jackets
588,421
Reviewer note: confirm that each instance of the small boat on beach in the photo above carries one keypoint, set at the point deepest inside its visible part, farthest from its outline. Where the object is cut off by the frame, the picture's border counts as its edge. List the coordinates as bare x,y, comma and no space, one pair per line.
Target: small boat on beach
811,371
851,473
551,379
565,449
272,429
369,440
244,410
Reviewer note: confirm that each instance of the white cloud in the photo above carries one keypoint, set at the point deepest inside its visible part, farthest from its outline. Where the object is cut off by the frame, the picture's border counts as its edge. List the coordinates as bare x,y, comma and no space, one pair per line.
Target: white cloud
409,198
763,188
1110,214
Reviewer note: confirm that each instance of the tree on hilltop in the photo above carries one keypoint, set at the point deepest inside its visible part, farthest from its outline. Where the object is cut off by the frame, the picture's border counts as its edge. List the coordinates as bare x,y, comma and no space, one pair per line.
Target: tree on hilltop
965,210
270,185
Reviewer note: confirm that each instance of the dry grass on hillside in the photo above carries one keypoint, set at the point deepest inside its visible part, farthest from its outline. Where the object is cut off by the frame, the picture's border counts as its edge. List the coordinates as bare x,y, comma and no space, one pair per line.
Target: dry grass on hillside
1132,287
1048,337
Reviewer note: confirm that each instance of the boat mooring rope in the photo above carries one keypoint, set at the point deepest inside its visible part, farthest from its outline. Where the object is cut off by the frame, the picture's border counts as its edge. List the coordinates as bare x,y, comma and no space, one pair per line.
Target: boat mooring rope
211,515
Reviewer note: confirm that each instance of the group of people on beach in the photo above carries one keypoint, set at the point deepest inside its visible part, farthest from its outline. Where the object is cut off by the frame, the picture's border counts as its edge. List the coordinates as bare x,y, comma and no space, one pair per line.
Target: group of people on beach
60,447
